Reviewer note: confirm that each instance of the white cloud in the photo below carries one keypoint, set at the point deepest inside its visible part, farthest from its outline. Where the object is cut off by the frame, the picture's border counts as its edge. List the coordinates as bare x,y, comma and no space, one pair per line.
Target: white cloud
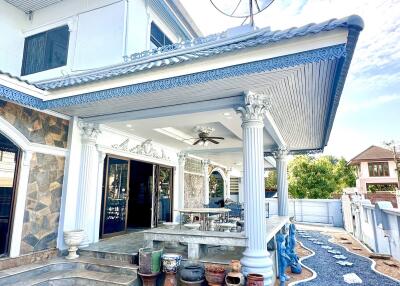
369,103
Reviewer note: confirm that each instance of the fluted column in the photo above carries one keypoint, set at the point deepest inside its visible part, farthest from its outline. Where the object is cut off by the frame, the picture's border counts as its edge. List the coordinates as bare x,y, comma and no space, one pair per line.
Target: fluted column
181,179
282,181
87,181
256,258
99,194
206,178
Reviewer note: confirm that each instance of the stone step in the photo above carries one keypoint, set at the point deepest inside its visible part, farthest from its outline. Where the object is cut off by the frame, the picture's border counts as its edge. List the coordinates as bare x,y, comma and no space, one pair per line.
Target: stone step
82,271
132,258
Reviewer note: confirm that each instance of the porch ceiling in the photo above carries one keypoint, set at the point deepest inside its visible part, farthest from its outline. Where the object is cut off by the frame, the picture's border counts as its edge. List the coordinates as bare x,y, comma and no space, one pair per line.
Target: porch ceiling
225,122
32,5
300,97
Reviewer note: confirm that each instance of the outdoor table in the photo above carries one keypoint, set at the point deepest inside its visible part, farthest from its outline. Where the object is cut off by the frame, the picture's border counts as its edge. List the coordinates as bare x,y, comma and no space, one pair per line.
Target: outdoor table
204,212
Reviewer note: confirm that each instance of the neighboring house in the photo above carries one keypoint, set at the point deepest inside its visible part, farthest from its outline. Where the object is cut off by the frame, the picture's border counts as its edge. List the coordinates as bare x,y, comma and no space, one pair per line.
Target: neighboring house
109,121
376,170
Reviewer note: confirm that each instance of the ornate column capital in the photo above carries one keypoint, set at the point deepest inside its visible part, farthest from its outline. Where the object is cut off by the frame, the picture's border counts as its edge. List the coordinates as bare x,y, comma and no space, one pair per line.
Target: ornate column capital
182,158
89,131
255,108
280,153
205,163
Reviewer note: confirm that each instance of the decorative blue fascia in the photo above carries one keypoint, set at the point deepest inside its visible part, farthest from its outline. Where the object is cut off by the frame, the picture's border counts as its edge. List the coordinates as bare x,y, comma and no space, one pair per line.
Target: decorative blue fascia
341,74
318,55
21,98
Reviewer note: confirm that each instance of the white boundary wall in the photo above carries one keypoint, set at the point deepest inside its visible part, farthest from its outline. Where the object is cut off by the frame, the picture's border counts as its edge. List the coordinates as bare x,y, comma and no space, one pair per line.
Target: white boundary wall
324,211
376,226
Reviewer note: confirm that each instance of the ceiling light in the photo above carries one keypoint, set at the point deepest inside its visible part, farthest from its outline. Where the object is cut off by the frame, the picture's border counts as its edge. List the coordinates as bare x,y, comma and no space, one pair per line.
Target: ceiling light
206,143
227,114
129,125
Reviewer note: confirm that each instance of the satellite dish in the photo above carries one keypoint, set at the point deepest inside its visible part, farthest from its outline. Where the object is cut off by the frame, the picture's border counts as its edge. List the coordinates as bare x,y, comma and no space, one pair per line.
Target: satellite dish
241,8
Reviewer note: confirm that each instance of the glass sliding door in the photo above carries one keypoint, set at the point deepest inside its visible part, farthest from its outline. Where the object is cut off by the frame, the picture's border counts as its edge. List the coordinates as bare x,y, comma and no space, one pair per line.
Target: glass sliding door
164,194
116,196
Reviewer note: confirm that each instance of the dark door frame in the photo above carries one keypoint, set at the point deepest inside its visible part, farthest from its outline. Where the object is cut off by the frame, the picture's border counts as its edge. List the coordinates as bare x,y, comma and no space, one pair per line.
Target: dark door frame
13,202
154,220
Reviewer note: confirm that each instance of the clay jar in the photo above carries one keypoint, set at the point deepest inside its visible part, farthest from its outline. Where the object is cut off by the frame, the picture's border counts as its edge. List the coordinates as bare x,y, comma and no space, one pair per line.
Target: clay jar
255,280
192,273
215,274
235,277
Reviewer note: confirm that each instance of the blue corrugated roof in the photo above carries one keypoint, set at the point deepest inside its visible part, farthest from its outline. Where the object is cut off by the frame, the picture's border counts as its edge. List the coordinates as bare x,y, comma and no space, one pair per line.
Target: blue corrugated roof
196,49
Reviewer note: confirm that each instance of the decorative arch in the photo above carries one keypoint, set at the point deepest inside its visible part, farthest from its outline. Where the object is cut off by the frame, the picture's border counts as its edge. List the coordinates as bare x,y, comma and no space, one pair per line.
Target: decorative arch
223,176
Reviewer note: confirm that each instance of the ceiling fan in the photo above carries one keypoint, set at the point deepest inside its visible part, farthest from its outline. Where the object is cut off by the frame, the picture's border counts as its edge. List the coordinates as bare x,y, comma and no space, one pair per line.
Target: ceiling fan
204,136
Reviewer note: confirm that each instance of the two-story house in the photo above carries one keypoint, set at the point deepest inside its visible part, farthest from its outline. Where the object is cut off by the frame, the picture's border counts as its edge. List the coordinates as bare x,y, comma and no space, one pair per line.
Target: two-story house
376,170
117,112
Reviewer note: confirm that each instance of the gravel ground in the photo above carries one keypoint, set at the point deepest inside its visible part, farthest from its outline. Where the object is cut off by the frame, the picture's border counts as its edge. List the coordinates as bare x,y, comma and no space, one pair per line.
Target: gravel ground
329,272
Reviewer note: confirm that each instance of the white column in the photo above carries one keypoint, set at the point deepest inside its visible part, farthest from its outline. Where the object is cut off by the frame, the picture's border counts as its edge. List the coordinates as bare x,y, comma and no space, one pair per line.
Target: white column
256,258
70,183
99,195
281,159
85,213
206,178
20,204
181,178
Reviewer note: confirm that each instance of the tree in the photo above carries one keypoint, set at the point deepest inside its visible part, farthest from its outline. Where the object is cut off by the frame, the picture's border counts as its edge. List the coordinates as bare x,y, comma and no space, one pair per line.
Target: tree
319,178
271,180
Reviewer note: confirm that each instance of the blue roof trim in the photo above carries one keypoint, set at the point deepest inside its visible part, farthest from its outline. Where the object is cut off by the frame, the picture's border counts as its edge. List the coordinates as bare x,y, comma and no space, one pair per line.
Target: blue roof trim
19,97
343,68
317,55
322,54
198,48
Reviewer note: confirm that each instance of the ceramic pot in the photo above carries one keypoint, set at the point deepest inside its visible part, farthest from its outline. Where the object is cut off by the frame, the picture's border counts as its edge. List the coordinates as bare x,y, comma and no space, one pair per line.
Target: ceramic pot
255,280
191,283
149,279
215,274
149,260
73,239
171,262
235,277
170,279
192,273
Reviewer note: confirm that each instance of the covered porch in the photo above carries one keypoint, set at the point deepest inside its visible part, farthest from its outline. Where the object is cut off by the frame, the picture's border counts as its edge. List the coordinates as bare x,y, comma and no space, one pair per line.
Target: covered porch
267,94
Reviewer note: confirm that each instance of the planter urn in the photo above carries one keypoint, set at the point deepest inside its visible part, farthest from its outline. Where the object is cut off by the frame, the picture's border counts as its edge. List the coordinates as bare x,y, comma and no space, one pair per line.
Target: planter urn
73,239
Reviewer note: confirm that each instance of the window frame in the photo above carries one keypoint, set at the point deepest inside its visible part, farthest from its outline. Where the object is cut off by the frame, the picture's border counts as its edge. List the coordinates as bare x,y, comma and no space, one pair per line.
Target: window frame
46,63
378,169
166,40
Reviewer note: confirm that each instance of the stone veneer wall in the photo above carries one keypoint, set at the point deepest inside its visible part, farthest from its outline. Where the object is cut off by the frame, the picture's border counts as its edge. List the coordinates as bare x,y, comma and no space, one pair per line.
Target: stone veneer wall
43,202
194,188
36,126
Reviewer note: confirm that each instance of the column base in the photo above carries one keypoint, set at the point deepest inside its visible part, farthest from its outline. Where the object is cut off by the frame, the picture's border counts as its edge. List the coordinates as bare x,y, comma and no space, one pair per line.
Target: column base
253,262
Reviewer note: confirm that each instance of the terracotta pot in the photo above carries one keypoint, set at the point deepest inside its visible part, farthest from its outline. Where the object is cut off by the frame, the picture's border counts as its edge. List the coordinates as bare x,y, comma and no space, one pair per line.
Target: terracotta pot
215,278
170,279
235,277
149,279
255,280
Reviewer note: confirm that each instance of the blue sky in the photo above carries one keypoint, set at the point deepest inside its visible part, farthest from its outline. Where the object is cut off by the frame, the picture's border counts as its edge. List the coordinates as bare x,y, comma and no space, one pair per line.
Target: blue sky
369,111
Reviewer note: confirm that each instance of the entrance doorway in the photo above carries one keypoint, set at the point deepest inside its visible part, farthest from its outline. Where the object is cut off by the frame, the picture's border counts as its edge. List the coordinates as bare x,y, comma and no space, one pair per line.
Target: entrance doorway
136,195
216,187
9,159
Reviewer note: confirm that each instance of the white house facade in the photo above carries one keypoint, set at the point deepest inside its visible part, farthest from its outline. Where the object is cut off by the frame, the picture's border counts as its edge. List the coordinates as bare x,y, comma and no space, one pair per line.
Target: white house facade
104,103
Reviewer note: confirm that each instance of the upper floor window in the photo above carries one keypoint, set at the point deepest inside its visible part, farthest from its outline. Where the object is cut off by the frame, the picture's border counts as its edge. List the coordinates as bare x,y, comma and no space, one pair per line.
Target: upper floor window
157,37
378,169
45,50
